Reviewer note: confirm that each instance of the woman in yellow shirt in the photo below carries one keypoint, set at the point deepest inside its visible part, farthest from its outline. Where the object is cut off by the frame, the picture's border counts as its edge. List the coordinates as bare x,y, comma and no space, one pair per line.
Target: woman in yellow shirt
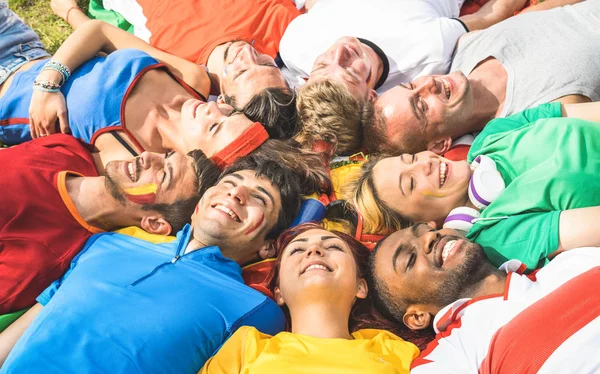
318,278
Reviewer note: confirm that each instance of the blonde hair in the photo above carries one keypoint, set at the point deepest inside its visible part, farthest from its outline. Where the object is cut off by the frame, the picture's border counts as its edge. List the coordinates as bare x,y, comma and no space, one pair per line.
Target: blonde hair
327,111
378,217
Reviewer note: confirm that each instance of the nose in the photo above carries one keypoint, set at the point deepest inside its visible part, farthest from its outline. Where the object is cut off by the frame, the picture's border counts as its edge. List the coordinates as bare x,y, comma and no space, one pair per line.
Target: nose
239,193
147,159
427,240
421,164
341,55
426,85
248,53
315,250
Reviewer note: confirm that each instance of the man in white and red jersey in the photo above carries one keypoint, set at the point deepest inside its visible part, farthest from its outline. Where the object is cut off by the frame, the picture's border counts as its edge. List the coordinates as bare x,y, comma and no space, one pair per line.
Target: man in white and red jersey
489,320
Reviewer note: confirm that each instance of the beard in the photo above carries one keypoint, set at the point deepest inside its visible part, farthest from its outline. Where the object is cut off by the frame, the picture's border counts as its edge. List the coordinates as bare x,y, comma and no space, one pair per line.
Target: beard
462,281
113,189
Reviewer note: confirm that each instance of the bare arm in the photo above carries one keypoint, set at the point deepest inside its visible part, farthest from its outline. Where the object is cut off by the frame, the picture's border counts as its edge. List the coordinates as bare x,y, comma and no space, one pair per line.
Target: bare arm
578,228
9,337
96,36
586,111
491,13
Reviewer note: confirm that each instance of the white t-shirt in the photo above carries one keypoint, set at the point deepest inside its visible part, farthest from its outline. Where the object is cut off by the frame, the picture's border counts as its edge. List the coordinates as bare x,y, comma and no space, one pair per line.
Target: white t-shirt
544,322
417,36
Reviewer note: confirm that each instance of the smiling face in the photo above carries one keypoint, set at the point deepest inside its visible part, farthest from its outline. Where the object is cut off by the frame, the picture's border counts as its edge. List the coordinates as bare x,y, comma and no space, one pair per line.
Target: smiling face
347,63
151,178
237,213
423,186
315,263
425,110
427,267
246,72
210,127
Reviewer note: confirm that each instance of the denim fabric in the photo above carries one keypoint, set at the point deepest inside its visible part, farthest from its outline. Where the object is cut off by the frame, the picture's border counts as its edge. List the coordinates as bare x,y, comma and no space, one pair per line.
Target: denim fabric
18,43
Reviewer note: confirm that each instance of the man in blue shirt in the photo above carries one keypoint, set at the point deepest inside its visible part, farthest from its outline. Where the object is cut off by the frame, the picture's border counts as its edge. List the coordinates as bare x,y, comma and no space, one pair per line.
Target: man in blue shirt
127,305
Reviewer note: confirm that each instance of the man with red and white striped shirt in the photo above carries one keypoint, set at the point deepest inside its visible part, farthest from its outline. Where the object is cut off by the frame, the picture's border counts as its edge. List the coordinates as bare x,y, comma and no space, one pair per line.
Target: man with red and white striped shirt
489,320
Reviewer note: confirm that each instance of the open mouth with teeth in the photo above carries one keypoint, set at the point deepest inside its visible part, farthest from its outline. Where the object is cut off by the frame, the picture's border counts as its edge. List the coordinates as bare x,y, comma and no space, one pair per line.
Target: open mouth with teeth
446,88
443,173
227,211
449,247
316,266
133,169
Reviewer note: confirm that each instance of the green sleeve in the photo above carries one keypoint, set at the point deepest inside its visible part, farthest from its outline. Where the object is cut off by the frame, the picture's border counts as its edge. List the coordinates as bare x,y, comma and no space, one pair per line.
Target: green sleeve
527,237
517,120
96,11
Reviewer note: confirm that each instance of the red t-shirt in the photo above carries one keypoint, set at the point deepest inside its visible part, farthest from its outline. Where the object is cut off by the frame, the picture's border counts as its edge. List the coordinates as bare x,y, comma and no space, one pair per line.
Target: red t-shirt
191,29
40,229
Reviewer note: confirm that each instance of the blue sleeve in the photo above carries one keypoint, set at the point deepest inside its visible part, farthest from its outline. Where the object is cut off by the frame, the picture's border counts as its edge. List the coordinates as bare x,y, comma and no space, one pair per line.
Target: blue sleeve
45,297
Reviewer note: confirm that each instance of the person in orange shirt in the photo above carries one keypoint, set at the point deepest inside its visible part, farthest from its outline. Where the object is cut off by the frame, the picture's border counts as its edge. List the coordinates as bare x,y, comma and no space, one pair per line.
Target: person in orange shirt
236,41
318,278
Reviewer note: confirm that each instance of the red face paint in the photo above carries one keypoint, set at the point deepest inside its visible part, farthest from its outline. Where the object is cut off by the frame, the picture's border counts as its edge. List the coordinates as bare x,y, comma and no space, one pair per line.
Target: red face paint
253,228
145,194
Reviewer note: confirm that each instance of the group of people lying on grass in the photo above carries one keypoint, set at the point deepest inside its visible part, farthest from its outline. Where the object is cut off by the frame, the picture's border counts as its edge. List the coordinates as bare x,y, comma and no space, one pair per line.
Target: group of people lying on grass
147,227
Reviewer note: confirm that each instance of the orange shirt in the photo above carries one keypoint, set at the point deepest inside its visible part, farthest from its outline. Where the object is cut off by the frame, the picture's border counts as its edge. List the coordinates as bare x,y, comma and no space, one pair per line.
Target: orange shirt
191,29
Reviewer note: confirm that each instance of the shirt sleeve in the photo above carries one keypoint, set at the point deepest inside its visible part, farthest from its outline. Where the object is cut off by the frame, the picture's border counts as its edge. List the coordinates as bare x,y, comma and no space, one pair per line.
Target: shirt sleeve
232,355
527,237
515,121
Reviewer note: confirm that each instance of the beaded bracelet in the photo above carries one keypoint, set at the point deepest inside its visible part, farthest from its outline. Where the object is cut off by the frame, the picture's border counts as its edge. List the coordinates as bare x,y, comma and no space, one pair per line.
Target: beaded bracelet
57,66
46,86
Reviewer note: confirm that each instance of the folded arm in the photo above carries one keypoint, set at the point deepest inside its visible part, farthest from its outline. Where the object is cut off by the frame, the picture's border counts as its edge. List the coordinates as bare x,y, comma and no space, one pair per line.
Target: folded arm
578,228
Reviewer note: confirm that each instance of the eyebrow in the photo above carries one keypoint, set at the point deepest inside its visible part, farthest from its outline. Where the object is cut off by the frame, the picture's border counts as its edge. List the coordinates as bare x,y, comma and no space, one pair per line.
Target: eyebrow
236,175
266,193
413,105
324,237
170,168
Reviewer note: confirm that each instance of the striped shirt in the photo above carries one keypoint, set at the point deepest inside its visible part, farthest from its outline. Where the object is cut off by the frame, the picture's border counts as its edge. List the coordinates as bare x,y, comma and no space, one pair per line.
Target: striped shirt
544,322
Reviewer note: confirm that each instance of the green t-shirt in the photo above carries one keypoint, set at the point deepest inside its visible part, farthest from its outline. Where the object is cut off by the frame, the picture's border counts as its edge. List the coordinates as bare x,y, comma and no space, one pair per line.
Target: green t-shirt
549,165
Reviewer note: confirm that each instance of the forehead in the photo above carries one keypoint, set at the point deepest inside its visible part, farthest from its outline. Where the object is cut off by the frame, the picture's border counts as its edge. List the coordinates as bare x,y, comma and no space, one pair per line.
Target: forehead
385,173
182,178
249,179
384,266
397,110
316,235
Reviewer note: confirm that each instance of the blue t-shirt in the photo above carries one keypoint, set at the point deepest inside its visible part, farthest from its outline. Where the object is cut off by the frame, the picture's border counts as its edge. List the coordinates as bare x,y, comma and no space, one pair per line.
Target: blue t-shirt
95,96
128,306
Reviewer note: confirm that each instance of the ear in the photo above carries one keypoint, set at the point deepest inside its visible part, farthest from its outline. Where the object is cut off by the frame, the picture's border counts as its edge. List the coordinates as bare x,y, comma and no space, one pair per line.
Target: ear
267,250
156,225
440,146
220,99
278,297
372,96
363,289
416,318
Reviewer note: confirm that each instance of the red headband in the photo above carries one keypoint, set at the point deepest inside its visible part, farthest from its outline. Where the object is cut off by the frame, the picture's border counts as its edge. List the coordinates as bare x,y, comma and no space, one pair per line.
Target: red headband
242,146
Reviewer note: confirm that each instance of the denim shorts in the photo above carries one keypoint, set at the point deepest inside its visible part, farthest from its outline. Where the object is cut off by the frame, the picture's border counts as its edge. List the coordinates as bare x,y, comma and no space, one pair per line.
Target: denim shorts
19,44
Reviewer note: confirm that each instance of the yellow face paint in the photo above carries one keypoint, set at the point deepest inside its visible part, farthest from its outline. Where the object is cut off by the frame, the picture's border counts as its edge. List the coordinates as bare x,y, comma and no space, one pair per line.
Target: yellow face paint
145,194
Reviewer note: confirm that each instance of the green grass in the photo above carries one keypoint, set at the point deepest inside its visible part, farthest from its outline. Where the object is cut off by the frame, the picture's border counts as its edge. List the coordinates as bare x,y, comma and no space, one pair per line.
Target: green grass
39,16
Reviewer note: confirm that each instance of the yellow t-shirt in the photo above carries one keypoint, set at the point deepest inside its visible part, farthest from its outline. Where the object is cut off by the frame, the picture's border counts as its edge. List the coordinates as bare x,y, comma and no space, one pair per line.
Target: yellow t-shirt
371,351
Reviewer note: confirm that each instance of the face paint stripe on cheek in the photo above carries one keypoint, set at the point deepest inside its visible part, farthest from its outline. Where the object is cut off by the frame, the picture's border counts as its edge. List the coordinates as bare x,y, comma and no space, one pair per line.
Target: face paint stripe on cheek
145,194
253,228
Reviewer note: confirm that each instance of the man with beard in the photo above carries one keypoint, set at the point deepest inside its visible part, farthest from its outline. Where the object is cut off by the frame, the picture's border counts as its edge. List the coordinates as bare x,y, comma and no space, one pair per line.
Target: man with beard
512,66
56,194
132,306
487,319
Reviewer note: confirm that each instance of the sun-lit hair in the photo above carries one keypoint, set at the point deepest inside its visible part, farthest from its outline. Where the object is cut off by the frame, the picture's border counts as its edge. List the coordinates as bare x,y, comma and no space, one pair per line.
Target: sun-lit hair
376,139
378,217
327,111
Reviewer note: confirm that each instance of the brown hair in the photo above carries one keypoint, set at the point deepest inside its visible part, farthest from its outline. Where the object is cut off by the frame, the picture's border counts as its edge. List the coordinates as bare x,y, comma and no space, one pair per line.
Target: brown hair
359,252
327,111
378,217
377,140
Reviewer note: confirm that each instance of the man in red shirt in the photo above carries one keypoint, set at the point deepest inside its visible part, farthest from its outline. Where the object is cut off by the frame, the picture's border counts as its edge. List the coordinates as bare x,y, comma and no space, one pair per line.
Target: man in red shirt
238,42
56,194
